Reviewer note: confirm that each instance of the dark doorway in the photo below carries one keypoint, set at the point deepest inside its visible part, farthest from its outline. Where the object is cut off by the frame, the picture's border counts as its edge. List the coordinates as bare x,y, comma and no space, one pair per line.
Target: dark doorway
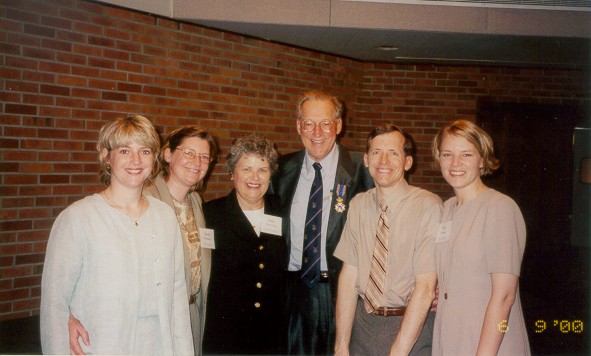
535,146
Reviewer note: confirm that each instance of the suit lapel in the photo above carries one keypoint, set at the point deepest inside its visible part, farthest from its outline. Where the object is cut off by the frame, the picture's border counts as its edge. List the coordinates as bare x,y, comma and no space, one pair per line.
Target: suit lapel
289,180
238,223
344,176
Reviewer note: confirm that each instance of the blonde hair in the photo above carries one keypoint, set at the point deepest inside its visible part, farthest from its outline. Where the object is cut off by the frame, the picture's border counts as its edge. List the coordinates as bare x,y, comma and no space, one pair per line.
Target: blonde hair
122,132
339,108
476,136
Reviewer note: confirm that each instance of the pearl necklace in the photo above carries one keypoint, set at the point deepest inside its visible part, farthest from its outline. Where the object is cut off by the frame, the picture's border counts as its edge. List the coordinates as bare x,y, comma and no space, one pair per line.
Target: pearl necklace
142,208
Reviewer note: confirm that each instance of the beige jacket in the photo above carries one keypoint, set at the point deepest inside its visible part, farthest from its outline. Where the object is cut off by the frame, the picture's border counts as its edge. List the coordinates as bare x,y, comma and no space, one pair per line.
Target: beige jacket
159,190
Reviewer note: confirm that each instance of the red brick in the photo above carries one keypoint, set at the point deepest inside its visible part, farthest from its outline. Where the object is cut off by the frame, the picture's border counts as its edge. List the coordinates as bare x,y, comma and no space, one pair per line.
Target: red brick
34,190
27,304
36,167
36,144
14,294
55,90
56,22
50,201
22,16
20,109
114,96
29,259
15,249
17,202
20,179
54,111
5,284
54,67
31,236
54,179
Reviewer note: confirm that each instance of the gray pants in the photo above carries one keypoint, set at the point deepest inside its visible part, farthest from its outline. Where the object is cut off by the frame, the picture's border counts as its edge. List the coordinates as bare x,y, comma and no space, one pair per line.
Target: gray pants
373,335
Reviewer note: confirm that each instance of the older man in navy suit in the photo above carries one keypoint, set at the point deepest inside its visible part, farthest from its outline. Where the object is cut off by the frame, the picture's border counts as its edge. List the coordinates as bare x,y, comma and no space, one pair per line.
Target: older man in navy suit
315,186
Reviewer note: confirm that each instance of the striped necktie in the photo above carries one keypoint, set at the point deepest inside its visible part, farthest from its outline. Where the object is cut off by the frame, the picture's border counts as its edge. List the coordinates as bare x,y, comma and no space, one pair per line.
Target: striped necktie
311,255
379,264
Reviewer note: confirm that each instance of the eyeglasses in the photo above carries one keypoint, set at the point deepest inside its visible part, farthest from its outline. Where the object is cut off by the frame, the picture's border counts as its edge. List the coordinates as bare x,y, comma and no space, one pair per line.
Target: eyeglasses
310,126
190,154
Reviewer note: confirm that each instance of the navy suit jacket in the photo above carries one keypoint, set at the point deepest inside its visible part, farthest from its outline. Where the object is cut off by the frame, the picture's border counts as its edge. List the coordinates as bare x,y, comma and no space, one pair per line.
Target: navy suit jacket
350,171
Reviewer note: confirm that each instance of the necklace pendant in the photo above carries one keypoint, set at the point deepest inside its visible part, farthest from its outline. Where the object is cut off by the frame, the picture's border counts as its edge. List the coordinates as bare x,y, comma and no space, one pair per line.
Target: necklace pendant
136,224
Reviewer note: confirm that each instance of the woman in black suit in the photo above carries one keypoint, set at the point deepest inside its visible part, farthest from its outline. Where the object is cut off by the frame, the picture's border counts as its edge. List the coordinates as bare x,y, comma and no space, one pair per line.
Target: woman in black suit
244,310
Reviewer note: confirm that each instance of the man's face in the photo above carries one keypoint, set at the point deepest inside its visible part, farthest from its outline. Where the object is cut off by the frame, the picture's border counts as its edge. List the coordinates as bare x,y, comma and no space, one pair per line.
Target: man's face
387,161
318,128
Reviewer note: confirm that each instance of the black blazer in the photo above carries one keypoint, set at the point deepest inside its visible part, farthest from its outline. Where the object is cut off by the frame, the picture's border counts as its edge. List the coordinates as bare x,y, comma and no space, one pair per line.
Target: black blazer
245,299
350,172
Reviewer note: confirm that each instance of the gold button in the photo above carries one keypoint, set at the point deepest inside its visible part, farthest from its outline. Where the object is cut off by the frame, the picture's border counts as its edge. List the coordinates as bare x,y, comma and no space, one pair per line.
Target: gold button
259,285
261,266
261,247
257,305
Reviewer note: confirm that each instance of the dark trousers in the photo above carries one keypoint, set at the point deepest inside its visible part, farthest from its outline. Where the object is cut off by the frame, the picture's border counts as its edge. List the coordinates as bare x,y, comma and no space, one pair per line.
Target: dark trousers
311,317
373,334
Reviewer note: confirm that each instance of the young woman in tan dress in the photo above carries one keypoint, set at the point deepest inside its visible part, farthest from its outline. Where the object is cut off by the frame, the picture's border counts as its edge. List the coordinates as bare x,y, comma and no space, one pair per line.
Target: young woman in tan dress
479,249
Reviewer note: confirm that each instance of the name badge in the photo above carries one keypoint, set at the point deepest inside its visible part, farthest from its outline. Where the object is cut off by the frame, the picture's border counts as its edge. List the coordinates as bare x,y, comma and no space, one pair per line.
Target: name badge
443,232
207,239
271,225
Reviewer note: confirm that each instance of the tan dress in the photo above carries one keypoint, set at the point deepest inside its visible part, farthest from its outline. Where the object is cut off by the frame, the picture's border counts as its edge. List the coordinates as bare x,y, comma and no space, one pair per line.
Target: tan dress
487,236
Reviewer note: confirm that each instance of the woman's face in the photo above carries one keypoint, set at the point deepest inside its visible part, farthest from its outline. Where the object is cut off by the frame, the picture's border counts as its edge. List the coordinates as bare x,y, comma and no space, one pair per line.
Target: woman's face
130,165
186,171
251,178
460,162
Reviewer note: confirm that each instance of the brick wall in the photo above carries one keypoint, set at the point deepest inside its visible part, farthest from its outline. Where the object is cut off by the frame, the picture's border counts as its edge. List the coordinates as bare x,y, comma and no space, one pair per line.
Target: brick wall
69,66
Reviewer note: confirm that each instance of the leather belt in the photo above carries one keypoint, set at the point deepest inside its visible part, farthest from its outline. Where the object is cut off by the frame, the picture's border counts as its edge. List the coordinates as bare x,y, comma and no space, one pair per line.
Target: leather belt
385,311
192,299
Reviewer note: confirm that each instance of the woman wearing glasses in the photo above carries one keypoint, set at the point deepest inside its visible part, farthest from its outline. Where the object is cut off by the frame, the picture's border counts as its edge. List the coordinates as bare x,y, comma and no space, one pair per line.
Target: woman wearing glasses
244,312
185,158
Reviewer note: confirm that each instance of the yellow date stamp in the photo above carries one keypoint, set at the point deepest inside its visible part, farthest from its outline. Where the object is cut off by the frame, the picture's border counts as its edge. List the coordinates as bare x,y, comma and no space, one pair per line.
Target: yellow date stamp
564,326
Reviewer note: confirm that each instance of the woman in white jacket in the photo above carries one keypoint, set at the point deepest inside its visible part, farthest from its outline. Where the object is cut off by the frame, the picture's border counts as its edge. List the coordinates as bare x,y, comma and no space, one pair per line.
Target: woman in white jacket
111,261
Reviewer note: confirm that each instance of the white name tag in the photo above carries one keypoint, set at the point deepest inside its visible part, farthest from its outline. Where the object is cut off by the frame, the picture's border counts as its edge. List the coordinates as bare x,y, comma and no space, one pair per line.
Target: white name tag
207,239
271,225
443,232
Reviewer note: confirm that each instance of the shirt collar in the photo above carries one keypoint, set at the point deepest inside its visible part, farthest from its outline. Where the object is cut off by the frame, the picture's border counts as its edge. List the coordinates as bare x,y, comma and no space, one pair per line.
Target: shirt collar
328,163
395,197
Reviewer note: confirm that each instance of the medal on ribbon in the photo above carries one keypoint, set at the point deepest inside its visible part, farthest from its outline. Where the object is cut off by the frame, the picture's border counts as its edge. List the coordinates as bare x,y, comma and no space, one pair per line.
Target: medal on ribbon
340,204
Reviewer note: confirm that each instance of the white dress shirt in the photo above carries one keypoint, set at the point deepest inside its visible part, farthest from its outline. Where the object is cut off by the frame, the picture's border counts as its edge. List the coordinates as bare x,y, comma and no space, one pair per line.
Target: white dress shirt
299,206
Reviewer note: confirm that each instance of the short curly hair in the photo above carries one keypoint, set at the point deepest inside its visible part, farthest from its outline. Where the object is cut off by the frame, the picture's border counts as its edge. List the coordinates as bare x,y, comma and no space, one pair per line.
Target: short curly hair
252,144
476,136
122,132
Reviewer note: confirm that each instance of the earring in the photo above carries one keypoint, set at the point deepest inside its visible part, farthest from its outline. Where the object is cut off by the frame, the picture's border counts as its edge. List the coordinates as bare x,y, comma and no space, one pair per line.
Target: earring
108,169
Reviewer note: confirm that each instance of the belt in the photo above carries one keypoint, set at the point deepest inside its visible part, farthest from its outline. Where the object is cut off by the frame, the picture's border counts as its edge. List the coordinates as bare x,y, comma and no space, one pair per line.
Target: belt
385,311
298,274
192,299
